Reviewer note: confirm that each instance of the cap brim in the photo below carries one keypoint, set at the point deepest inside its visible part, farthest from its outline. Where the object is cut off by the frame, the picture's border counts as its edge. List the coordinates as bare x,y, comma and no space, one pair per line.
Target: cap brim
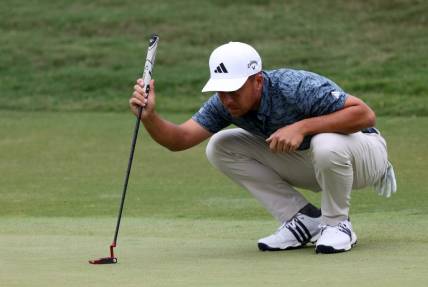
224,85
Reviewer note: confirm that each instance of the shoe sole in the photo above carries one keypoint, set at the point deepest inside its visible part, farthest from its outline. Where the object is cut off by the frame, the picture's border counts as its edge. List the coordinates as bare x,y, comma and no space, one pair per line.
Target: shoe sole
265,247
324,249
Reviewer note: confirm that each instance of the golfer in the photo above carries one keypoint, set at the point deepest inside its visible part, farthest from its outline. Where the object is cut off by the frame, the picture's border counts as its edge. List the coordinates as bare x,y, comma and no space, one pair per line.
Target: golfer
296,129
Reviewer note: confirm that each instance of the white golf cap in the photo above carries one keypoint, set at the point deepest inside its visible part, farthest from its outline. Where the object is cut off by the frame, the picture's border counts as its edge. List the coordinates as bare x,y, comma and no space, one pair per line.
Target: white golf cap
230,66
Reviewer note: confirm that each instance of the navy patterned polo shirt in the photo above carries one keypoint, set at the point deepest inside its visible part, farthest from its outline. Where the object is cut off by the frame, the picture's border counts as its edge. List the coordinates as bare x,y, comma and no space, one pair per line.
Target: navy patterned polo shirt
288,96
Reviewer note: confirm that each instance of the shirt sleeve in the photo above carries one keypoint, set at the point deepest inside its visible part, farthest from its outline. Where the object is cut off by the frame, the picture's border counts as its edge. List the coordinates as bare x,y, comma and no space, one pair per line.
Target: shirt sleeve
319,96
212,115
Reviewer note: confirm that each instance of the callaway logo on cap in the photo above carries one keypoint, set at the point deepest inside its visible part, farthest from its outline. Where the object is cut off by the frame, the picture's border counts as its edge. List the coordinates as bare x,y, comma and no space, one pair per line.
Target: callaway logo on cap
230,66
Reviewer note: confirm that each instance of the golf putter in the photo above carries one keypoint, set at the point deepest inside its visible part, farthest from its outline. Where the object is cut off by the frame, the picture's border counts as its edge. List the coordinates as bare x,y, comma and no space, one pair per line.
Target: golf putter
147,76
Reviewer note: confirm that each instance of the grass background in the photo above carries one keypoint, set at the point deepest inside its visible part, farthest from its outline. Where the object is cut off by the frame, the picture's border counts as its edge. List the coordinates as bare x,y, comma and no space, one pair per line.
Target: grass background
66,72
85,55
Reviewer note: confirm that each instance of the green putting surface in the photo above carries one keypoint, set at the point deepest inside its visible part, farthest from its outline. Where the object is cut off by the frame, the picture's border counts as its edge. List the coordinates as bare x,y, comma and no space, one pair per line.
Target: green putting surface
181,252
184,223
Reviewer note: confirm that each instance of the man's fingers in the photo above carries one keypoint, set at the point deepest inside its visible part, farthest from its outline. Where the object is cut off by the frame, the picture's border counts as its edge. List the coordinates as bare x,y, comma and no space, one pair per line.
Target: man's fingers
293,147
139,92
285,148
137,95
272,144
141,83
135,101
276,145
139,89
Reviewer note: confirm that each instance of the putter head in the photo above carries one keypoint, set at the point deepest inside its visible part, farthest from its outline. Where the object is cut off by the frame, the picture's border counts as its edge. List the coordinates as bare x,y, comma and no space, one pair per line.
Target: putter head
105,260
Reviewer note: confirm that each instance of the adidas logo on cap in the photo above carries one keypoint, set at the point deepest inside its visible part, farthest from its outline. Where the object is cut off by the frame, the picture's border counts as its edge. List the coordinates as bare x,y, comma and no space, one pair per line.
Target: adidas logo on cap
221,69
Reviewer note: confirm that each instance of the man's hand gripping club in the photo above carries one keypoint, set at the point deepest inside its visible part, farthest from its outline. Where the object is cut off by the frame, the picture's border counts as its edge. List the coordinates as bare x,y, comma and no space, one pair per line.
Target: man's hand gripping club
141,99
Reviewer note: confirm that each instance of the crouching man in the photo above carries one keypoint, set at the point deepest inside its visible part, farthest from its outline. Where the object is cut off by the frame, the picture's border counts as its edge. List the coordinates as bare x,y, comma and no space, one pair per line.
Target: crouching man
295,129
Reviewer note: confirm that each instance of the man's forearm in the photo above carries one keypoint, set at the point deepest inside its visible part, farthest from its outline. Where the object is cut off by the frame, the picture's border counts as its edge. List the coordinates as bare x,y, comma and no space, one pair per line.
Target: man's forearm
162,131
348,120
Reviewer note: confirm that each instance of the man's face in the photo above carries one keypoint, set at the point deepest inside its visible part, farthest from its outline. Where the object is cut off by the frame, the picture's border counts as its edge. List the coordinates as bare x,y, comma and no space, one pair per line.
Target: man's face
247,98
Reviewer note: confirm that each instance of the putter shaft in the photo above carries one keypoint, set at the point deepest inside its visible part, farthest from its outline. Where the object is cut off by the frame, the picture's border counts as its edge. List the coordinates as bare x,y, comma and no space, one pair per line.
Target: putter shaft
128,172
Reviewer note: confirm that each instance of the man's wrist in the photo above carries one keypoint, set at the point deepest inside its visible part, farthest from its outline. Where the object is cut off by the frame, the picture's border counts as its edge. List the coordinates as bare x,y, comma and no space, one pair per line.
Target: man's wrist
304,127
148,117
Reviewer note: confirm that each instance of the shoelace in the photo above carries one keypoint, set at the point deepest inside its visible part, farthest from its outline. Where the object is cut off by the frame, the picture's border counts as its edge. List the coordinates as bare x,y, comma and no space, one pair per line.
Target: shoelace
291,223
297,228
341,227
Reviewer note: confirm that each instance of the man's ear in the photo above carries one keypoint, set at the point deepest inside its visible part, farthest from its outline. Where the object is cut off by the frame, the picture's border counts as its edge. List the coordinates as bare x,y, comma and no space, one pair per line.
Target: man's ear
259,80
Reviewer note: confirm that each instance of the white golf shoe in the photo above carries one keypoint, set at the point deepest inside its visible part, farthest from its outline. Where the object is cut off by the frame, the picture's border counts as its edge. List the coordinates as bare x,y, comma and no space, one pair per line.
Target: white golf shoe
338,238
297,232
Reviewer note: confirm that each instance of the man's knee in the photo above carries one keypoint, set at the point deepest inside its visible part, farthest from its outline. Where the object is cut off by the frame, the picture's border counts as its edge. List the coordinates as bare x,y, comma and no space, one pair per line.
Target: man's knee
218,145
328,150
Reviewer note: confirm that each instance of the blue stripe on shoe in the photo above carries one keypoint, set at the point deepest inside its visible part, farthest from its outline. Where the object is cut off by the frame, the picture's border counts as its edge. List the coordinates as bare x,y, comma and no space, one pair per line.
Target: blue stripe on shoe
309,235
302,234
294,233
345,230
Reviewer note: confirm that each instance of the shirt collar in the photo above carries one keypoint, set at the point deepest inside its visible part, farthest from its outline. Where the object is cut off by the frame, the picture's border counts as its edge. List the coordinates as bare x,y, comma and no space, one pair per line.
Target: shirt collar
265,101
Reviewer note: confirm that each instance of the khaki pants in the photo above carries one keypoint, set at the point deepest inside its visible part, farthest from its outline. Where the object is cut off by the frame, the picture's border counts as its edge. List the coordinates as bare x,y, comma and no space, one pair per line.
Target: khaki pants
334,164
